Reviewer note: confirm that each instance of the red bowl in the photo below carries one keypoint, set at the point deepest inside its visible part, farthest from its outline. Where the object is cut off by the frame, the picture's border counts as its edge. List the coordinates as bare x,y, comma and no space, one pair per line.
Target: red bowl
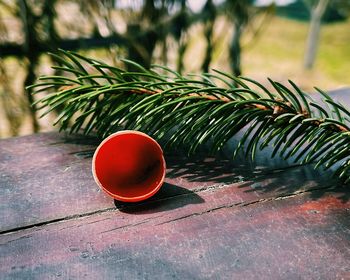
129,166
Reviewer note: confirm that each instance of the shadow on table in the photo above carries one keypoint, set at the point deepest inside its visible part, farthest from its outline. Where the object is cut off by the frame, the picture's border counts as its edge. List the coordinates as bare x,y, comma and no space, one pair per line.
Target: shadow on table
169,197
217,171
263,178
266,175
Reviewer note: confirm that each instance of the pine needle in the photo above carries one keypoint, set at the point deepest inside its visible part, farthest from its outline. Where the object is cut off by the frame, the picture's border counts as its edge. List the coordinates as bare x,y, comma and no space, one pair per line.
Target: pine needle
192,111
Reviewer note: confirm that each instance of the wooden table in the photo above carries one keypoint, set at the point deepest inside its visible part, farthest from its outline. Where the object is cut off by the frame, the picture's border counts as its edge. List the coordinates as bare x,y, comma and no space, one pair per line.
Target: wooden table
212,219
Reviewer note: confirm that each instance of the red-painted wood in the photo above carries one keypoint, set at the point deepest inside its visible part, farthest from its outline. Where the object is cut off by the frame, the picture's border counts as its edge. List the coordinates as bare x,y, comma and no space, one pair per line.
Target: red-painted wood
212,219
291,238
48,176
44,177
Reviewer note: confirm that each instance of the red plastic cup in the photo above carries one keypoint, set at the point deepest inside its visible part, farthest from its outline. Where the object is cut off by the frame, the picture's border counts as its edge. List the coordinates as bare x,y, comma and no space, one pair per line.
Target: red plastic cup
129,166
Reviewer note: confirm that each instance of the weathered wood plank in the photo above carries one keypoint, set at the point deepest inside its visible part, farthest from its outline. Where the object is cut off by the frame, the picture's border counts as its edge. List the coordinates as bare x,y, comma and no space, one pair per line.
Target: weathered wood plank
46,177
296,237
213,218
42,178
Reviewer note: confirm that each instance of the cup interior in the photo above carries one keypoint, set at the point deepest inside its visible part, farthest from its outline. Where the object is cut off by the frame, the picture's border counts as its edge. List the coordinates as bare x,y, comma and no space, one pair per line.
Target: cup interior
129,166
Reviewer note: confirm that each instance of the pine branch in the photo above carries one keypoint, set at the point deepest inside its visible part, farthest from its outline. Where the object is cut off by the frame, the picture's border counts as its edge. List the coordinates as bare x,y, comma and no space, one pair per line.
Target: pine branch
196,110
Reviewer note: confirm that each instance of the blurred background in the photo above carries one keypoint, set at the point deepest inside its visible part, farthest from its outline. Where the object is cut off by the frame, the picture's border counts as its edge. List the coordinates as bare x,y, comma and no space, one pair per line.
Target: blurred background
307,41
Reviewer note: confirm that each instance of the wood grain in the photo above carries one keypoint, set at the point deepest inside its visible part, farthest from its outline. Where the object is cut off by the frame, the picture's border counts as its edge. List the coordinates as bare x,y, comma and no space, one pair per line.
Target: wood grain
213,219
47,177
291,238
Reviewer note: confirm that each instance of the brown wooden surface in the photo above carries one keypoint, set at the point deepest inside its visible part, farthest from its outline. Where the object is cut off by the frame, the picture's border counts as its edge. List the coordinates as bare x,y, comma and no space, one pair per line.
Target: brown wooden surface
212,219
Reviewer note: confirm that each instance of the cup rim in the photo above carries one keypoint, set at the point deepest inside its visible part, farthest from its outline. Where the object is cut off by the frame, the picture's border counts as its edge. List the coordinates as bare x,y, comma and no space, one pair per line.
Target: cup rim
123,198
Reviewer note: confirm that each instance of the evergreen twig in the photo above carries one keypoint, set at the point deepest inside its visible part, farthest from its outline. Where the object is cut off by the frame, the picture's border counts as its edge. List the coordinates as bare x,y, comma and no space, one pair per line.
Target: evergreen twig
189,111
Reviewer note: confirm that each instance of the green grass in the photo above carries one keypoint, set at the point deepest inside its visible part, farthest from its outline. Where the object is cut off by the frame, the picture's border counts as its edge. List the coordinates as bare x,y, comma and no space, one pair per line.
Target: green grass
334,55
279,53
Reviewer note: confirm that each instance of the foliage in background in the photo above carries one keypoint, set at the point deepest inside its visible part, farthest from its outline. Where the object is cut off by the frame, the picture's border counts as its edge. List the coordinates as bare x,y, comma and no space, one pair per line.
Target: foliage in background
137,31
147,31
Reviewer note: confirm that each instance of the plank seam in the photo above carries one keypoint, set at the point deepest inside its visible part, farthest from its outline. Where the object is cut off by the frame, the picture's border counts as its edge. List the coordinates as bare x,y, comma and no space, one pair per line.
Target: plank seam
100,211
244,204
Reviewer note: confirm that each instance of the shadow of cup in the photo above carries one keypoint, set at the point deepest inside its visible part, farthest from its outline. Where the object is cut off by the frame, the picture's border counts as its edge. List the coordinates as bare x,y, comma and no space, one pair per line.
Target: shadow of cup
129,166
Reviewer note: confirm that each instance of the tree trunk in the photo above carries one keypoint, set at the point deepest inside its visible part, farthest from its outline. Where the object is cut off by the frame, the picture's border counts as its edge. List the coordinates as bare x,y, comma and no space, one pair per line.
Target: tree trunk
240,13
235,50
210,15
314,33
31,51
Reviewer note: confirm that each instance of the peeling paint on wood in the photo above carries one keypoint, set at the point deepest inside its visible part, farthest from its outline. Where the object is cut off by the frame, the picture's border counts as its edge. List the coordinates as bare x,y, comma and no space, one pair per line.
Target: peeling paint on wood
212,219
